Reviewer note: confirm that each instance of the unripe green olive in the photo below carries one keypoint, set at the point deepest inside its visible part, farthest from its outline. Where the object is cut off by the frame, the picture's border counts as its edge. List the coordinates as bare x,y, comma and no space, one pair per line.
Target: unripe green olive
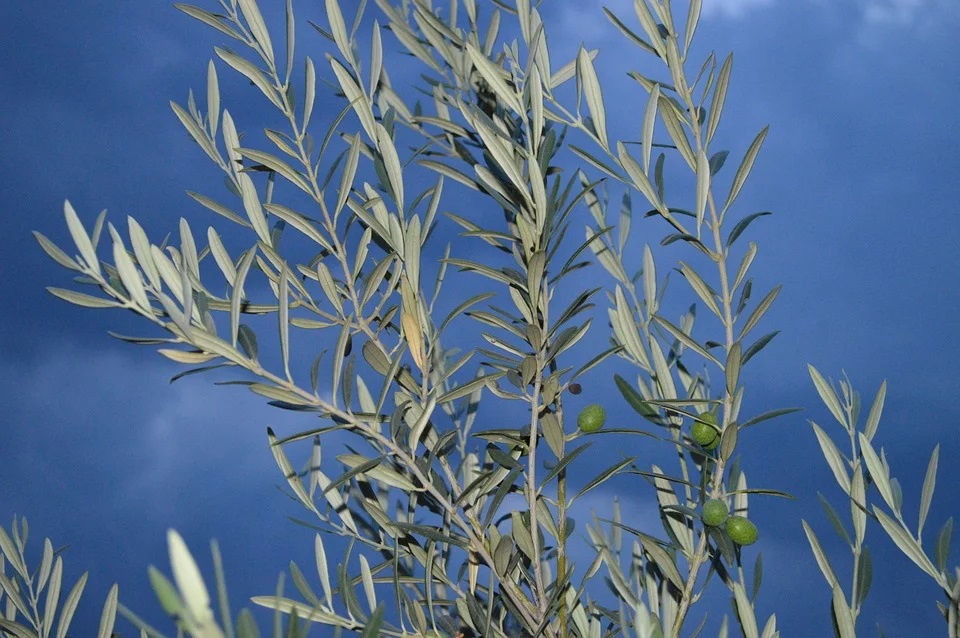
742,531
715,512
706,431
591,418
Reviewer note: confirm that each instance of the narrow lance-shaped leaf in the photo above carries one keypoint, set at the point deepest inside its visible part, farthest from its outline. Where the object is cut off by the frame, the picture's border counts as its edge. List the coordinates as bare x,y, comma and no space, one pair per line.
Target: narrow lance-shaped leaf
283,317
745,167
820,556
70,606
929,484
828,395
587,75
833,457
876,410
109,615
81,239
251,72
842,616
703,186
719,96
879,473
339,29
251,13
213,99
908,545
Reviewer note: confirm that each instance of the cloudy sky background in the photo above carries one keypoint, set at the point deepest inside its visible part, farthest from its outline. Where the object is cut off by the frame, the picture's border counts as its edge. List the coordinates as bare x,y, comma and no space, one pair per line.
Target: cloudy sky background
100,452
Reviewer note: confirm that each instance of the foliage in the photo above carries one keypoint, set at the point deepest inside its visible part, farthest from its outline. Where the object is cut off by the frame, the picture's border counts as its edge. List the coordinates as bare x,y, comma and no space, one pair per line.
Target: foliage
423,492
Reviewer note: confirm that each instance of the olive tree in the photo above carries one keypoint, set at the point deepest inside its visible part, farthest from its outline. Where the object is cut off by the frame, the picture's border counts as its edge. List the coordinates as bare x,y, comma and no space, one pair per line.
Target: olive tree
369,234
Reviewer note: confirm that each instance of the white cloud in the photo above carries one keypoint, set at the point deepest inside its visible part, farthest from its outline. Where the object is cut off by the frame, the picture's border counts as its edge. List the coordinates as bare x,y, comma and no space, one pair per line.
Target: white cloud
734,9
893,12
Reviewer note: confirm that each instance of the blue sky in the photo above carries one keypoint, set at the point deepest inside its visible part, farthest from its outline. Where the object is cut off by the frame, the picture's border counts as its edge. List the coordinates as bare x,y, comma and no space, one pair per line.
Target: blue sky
860,167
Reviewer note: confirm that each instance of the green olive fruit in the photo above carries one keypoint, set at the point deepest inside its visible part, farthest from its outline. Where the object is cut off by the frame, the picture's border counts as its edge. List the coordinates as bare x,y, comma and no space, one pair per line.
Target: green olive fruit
715,512
591,418
706,432
742,531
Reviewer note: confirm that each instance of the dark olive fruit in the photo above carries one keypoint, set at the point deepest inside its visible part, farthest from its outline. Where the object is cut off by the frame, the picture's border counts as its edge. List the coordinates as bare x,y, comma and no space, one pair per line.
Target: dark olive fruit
715,512
591,418
742,531
575,388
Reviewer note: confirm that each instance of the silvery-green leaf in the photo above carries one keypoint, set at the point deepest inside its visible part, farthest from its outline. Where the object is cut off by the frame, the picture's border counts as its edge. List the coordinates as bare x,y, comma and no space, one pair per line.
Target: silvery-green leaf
322,570
825,568
493,75
253,208
15,629
941,551
80,299
876,410
745,612
703,186
719,96
760,310
392,163
650,27
587,75
198,134
46,566
672,116
251,13
277,165
81,239
213,99
190,583
732,368
310,92
677,523
858,500
639,180
879,473
367,578
70,606
356,97
828,395
748,258
252,73
129,275
929,483
703,290
209,19
693,19
339,29
283,317
687,340
664,378
218,208
603,476
834,458
54,252
296,485
649,122
109,615
745,167
728,441
908,545
12,592
236,296
842,616
834,519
